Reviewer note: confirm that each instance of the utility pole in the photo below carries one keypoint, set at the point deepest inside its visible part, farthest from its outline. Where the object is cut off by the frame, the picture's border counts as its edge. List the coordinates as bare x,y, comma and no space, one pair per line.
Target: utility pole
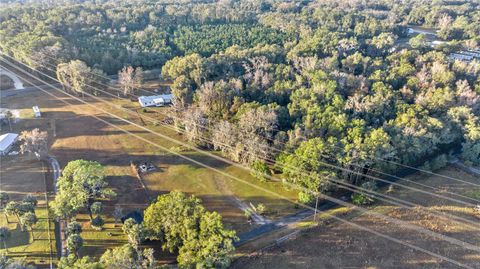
316,205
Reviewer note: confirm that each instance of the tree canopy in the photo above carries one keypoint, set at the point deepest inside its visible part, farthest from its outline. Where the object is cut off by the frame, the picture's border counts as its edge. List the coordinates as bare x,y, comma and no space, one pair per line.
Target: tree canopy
182,224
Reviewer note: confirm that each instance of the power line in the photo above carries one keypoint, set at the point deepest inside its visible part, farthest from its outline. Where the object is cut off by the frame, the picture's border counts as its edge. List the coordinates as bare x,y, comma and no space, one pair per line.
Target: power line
337,201
251,184
371,157
327,164
323,155
356,187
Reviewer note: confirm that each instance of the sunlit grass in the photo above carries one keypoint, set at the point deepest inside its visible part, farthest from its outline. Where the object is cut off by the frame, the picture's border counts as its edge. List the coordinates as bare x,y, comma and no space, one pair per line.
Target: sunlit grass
20,243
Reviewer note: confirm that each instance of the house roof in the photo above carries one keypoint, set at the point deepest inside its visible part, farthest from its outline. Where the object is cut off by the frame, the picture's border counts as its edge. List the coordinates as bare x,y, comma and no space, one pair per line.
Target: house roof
6,140
153,98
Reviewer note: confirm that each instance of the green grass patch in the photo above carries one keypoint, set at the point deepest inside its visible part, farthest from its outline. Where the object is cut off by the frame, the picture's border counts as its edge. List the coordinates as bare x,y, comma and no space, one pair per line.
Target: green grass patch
474,194
20,244
97,242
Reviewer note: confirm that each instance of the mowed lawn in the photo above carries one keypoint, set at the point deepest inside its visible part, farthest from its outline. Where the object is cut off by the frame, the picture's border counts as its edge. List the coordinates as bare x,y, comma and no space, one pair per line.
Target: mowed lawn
78,135
20,177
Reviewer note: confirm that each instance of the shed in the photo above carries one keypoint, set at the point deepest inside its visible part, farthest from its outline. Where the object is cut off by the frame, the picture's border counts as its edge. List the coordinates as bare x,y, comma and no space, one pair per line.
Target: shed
6,142
155,100
36,112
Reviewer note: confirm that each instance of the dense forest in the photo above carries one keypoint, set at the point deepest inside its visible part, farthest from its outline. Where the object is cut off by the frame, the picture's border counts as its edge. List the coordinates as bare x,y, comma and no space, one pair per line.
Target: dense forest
289,86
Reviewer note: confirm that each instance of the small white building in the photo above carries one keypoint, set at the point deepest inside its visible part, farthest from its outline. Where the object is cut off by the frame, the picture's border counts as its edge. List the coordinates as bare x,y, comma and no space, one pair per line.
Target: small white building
6,142
436,43
36,112
155,100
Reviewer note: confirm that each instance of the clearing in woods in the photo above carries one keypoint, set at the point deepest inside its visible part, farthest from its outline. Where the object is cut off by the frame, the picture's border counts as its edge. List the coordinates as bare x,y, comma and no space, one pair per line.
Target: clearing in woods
80,136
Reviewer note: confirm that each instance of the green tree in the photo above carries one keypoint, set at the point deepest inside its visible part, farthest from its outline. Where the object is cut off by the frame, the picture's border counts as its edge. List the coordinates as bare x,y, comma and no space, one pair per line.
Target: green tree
74,228
62,206
81,184
29,219
30,199
211,247
18,209
182,90
127,256
11,208
184,225
73,262
260,209
306,168
97,208
260,170
418,42
4,199
135,232
74,243
97,223
171,217
9,117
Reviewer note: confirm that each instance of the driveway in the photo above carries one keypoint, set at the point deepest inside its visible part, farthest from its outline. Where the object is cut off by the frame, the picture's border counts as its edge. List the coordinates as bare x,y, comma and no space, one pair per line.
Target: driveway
56,171
17,83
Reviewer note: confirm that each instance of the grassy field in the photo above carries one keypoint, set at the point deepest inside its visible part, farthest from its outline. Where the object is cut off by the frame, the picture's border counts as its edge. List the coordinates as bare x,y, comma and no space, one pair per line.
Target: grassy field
19,178
339,245
77,135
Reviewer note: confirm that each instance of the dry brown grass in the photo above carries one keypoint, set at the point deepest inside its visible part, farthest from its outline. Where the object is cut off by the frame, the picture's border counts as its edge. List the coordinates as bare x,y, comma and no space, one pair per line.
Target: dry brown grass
337,245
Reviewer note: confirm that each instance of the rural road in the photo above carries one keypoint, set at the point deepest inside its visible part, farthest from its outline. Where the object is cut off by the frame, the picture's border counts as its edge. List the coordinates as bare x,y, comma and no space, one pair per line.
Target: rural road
17,83
255,217
56,174
13,92
278,224
275,225
468,169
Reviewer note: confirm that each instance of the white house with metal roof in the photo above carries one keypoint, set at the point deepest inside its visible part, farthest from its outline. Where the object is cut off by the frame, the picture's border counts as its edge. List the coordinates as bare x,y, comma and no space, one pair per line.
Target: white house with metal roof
155,100
6,142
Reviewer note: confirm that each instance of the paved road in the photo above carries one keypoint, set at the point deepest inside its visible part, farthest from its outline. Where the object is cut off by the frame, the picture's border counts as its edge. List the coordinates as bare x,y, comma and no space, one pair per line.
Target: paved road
17,83
56,174
468,169
278,224
26,90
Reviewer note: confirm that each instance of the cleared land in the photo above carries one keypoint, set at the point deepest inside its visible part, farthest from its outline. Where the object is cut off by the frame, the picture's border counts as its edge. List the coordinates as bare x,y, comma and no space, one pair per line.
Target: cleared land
338,245
78,135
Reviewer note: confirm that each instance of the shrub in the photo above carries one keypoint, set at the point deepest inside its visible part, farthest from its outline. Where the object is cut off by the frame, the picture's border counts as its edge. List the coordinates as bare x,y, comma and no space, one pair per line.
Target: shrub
439,162
306,197
361,199
261,209
426,166
74,228
260,170
365,198
248,215
97,223
97,208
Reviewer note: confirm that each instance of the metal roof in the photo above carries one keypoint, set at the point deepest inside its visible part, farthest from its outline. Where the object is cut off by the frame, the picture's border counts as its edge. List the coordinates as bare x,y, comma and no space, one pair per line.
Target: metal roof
6,140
